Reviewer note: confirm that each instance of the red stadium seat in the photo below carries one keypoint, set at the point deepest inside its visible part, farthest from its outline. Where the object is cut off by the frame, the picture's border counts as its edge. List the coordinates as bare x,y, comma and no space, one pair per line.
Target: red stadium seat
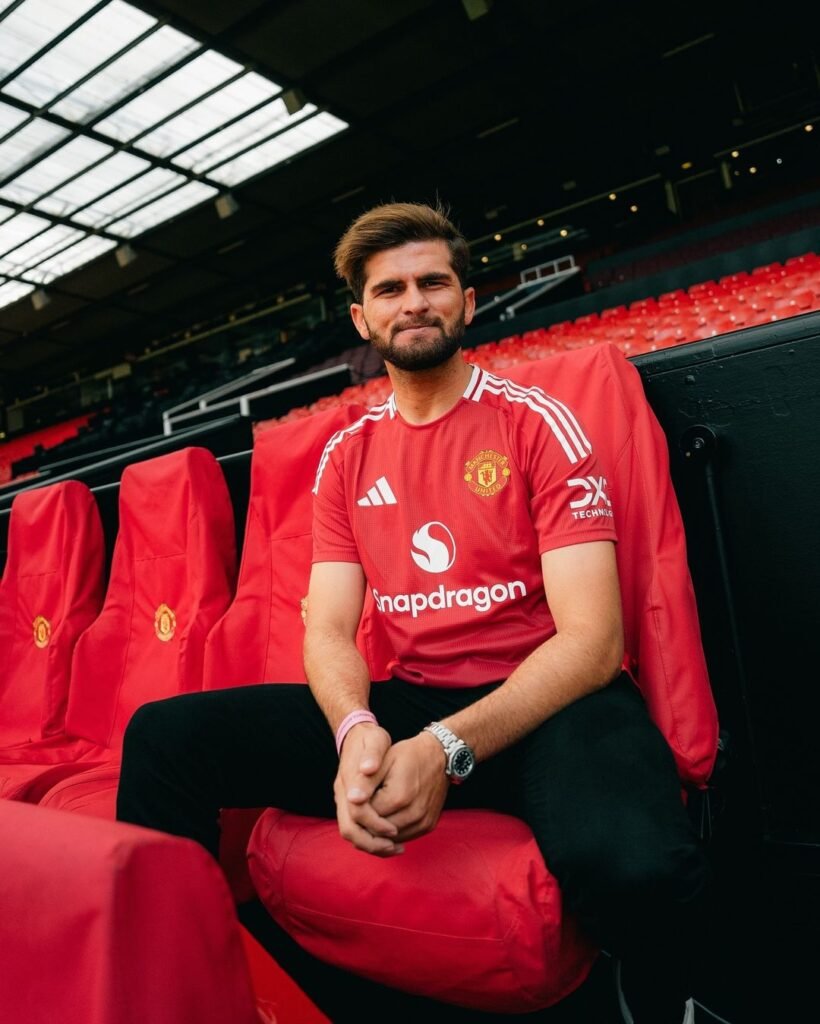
51,590
245,645
106,923
774,268
671,298
171,578
508,947
733,280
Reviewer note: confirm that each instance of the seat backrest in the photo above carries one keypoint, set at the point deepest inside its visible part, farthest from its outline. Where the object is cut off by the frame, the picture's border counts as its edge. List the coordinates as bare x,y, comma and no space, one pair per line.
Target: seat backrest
121,924
51,590
662,631
172,576
259,639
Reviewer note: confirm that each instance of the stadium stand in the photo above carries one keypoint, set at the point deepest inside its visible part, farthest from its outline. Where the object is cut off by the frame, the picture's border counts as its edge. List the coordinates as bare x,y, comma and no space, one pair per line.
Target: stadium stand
13,453
705,308
708,309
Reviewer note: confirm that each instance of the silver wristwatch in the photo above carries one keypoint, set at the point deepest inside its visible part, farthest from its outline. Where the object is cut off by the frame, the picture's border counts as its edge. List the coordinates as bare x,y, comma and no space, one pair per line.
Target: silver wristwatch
460,757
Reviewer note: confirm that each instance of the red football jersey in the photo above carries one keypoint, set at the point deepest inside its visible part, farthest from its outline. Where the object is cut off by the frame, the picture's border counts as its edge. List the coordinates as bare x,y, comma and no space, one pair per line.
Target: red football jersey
448,520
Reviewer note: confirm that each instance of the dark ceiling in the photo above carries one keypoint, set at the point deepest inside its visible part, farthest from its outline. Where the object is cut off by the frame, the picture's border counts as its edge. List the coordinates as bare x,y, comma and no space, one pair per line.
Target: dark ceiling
495,115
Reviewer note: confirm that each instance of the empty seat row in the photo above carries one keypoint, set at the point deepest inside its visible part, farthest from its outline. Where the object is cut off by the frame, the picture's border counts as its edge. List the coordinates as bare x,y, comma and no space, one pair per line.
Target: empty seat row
90,652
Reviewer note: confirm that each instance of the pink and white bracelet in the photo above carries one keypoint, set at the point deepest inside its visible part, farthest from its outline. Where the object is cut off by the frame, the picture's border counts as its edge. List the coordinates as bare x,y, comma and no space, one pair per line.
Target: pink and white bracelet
347,723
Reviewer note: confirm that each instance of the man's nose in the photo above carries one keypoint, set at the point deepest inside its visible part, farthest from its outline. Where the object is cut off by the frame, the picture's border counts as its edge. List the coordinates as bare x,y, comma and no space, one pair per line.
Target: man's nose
415,299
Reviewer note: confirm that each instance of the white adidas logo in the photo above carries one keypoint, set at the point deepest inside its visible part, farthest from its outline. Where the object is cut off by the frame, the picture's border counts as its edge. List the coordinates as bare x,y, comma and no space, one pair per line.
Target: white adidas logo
379,494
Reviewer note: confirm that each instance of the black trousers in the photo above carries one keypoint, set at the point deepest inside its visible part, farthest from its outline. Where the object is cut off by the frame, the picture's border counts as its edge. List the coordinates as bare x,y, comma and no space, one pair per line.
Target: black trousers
596,783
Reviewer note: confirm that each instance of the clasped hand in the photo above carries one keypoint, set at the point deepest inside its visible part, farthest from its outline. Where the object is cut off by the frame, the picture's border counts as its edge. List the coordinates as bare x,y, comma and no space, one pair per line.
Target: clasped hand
387,793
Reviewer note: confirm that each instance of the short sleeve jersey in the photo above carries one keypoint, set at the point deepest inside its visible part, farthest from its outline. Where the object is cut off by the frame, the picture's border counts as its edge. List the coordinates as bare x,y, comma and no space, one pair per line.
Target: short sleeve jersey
448,520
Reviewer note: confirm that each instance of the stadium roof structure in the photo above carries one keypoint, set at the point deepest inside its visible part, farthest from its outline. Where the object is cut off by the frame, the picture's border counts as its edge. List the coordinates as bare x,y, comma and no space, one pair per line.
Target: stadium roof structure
164,163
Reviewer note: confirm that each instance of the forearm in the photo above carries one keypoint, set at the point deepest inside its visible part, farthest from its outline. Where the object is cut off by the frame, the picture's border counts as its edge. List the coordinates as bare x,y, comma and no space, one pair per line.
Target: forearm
563,669
337,674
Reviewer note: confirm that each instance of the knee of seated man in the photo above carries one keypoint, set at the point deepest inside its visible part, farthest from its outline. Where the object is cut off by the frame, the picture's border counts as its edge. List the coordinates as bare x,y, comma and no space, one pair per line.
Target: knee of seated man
636,863
673,873
157,724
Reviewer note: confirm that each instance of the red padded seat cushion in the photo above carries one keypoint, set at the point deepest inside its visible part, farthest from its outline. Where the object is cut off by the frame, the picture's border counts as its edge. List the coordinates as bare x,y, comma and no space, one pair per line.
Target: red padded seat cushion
466,915
92,791
51,590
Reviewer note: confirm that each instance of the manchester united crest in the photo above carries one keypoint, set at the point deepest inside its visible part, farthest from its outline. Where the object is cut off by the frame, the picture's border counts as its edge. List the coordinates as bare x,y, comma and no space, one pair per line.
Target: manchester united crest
165,623
487,473
42,631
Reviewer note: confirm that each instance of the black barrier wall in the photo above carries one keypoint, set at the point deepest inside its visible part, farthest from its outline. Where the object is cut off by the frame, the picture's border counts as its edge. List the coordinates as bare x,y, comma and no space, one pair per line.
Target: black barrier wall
742,417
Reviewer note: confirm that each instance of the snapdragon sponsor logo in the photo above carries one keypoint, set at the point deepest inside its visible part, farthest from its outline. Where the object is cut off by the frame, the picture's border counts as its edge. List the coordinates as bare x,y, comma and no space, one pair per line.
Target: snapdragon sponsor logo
480,598
433,549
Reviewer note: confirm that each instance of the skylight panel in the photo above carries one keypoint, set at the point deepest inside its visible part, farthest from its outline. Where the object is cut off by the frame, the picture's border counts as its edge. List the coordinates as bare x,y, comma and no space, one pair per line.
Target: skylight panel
22,147
70,258
282,147
240,136
163,209
88,46
127,74
86,188
33,25
168,95
11,291
37,249
10,117
246,92
16,230
63,163
109,95
135,193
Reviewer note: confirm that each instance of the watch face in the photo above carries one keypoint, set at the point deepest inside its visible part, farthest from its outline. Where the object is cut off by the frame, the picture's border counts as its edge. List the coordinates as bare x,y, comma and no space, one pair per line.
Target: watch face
463,763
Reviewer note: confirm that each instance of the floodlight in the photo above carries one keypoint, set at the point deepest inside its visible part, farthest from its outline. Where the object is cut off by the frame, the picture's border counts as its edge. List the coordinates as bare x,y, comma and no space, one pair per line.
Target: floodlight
40,299
226,205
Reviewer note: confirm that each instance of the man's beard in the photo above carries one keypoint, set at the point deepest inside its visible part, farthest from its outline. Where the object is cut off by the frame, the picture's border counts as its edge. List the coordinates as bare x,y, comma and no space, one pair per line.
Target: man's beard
423,354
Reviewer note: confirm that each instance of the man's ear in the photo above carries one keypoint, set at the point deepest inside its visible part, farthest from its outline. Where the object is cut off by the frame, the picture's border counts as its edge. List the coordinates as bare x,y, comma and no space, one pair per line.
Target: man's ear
357,315
469,304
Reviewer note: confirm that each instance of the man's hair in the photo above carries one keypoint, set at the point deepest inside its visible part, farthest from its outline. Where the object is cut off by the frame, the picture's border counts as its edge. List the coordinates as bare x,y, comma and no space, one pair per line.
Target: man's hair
392,225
